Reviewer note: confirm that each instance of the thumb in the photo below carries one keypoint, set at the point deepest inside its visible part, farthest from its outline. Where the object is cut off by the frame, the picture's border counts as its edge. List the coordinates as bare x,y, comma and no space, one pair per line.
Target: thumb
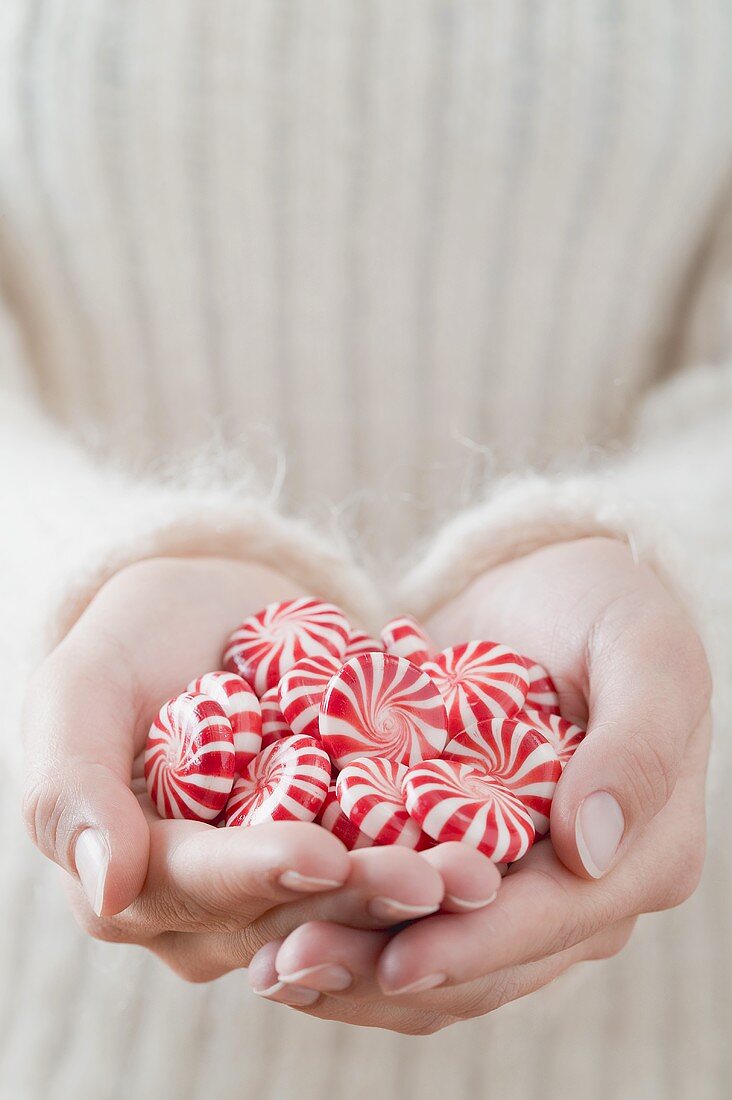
648,690
78,807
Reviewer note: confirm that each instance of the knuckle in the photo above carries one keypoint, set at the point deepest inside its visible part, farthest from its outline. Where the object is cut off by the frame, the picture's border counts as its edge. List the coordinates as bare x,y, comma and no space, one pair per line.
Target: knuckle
649,772
44,800
611,942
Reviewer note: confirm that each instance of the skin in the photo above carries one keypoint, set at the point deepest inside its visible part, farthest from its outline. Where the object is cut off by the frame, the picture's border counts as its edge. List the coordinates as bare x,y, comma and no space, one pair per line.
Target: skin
626,659
204,900
628,663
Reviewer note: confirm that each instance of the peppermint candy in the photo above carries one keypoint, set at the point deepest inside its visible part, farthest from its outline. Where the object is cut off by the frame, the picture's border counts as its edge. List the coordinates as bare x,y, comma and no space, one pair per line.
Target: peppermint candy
453,801
370,794
562,735
516,754
274,725
268,644
380,705
404,637
360,642
287,782
332,818
478,680
542,693
241,707
189,759
301,690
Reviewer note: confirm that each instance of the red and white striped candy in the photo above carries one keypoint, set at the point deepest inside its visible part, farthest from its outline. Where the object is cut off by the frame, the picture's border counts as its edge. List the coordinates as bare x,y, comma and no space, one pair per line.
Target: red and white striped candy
453,801
332,818
360,642
274,725
478,680
563,736
516,754
370,793
268,644
241,707
286,782
189,759
404,637
301,690
542,693
380,705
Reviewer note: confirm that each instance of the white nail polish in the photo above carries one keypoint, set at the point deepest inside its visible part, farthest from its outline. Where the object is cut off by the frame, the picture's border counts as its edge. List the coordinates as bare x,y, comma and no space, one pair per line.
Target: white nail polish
430,981
327,977
293,880
391,910
91,856
469,906
598,830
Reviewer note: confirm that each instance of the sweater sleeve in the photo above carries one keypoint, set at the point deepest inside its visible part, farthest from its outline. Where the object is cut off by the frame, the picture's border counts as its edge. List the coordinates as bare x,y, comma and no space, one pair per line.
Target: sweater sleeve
668,495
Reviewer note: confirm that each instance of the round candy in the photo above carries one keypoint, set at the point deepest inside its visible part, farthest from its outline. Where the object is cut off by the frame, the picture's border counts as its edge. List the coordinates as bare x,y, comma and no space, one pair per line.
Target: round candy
268,644
379,705
301,690
453,801
370,793
274,725
563,736
287,782
241,707
360,642
189,759
517,755
404,637
478,680
332,818
542,693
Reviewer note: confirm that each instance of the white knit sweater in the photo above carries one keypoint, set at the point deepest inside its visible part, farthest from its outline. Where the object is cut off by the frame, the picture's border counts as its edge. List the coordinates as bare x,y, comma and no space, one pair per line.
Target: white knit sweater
349,269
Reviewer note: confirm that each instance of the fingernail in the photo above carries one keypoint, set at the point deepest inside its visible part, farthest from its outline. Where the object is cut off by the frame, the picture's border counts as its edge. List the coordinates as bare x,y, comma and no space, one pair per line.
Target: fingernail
391,910
467,904
293,995
91,856
430,981
327,977
293,880
598,830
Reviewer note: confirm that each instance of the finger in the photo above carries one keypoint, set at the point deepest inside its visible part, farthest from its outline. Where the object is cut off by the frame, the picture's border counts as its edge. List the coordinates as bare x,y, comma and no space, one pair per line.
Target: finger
265,983
78,806
331,958
471,879
201,878
385,886
648,689
540,910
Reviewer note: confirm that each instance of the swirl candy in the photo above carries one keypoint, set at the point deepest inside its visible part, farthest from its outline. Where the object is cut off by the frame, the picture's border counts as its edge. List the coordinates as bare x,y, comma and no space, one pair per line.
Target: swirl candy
360,642
287,782
268,644
542,693
189,759
453,801
562,735
517,755
404,637
274,725
241,707
370,793
332,818
301,690
380,705
478,680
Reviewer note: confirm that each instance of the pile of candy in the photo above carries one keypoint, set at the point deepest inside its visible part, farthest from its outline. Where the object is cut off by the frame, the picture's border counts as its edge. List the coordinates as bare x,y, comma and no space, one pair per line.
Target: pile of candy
381,742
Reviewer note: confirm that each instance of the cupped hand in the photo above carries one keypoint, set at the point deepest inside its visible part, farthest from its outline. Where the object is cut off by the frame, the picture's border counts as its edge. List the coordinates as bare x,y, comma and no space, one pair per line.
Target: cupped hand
627,822
203,899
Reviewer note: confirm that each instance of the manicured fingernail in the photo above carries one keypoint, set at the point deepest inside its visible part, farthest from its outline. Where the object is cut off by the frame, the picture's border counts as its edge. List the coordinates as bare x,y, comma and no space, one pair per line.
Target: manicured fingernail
293,880
598,830
390,910
91,856
293,996
467,904
327,977
430,981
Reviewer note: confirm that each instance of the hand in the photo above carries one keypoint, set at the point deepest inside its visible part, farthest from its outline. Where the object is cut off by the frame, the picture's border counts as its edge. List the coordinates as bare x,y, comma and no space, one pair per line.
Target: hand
201,898
627,822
